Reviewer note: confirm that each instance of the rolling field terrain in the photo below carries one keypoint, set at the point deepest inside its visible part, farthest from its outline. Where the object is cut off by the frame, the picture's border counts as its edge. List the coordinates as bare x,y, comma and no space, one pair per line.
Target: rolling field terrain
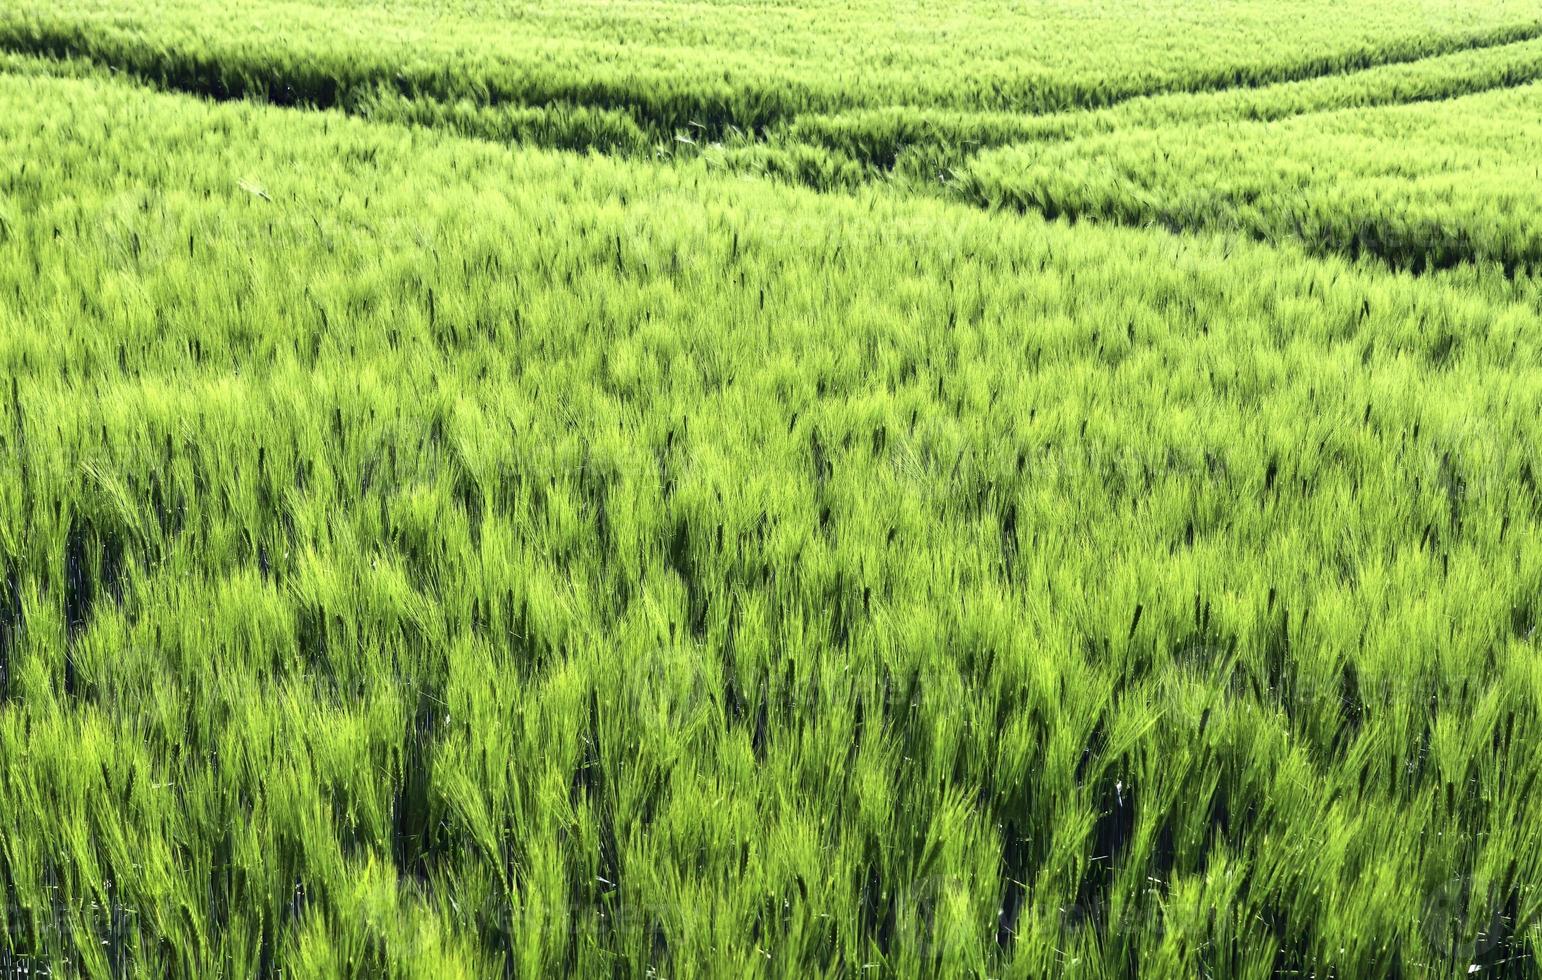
751,65
829,93
789,489
1434,184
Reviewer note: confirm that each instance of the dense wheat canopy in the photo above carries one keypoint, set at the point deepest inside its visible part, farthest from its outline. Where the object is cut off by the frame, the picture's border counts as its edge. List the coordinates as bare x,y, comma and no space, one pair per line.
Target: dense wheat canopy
1434,184
770,489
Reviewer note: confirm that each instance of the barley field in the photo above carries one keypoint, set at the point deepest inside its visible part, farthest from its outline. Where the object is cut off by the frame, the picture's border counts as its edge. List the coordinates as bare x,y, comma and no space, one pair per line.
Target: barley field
770,488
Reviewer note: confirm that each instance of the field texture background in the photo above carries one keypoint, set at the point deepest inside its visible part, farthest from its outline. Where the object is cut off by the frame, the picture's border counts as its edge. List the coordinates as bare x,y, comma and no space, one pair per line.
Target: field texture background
770,489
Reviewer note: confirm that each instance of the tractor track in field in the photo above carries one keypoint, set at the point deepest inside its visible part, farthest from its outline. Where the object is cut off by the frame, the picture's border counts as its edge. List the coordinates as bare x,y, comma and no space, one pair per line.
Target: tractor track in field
72,53
200,74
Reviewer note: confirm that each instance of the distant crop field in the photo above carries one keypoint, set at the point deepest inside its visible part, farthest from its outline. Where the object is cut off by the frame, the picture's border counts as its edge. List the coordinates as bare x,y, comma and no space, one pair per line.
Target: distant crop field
770,489
1433,184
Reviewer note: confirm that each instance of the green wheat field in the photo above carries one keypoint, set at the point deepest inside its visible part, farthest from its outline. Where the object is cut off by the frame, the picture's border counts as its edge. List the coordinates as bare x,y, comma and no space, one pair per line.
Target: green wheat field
770,488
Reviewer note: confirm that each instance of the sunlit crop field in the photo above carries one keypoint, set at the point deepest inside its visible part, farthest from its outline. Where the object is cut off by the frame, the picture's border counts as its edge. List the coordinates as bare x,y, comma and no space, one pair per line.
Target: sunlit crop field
788,489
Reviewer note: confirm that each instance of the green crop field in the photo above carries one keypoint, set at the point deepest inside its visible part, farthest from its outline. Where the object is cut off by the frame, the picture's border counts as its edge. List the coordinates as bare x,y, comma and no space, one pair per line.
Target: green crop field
1430,185
669,489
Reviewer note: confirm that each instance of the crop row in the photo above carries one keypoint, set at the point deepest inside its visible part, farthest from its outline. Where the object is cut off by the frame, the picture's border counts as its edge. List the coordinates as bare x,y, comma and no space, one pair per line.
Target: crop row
664,66
917,139
1424,186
